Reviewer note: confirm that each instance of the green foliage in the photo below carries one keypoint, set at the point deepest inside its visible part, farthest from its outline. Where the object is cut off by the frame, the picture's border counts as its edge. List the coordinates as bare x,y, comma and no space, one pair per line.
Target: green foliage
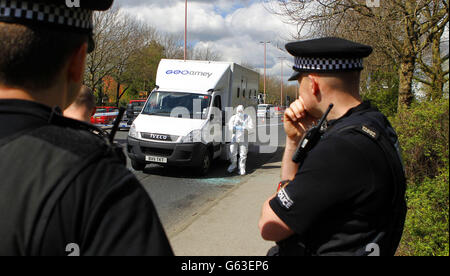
382,91
139,73
424,137
426,228
144,65
424,134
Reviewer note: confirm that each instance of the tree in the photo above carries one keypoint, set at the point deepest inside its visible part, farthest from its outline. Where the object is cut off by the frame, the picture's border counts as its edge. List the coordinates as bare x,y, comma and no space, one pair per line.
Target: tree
399,28
98,64
144,65
273,90
173,48
205,53
132,39
433,59
120,39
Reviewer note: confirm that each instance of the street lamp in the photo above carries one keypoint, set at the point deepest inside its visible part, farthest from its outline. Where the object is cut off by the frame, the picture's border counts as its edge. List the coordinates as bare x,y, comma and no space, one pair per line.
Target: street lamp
265,66
185,29
282,63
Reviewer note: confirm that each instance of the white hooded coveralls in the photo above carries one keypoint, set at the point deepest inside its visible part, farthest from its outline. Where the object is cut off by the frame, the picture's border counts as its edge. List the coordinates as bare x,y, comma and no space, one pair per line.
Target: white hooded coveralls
237,125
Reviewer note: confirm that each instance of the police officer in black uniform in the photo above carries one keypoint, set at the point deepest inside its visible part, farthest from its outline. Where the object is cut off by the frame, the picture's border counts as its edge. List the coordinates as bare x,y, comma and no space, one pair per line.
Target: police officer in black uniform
344,185
64,189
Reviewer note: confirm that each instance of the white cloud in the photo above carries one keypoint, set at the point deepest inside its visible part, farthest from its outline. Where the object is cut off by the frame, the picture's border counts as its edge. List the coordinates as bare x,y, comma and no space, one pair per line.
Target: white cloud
232,27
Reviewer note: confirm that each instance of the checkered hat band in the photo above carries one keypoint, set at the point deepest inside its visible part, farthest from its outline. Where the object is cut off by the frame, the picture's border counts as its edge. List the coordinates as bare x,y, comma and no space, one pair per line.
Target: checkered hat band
47,13
327,64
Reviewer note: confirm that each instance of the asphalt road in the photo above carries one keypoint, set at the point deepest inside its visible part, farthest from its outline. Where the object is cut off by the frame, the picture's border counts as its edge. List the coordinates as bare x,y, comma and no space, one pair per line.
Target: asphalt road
179,195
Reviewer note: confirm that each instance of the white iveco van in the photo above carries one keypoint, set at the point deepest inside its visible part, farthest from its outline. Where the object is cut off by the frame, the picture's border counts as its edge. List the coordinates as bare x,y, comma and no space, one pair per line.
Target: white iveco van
183,120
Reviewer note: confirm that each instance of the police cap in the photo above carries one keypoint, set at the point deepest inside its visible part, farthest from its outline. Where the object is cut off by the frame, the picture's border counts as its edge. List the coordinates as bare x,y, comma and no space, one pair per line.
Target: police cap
329,54
65,15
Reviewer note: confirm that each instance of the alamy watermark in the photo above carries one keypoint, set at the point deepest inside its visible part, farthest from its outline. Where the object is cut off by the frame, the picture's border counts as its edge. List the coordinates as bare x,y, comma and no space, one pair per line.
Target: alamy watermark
73,3
373,249
265,134
73,250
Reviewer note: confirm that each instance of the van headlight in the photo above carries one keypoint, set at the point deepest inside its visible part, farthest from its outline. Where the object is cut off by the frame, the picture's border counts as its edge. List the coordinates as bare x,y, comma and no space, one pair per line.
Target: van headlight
133,133
193,137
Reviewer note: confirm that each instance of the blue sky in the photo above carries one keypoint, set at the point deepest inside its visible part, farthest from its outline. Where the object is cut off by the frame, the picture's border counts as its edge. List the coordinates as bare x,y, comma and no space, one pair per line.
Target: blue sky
234,28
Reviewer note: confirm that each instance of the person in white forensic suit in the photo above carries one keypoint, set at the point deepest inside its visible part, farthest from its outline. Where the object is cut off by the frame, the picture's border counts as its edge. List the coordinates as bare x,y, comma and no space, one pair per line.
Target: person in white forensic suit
239,125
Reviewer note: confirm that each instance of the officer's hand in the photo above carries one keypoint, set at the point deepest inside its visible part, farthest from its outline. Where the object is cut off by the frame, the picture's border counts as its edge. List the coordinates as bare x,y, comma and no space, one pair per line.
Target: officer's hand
297,121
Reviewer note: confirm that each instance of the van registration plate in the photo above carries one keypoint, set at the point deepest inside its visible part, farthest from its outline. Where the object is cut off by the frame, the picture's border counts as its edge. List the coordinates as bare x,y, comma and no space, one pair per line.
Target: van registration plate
156,159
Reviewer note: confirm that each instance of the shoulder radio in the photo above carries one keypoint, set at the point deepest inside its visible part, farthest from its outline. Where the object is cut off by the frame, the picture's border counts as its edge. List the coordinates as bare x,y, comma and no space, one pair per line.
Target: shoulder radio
311,138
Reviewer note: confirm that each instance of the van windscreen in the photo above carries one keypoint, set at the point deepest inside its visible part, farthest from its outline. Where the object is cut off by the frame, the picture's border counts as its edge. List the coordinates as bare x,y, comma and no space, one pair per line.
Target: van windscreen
177,104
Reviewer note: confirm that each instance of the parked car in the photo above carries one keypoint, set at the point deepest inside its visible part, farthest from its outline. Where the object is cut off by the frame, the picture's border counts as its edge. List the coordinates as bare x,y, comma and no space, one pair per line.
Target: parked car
105,115
279,111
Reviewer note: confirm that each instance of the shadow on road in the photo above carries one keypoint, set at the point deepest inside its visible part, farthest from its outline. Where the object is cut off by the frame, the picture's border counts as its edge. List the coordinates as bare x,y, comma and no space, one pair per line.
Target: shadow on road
255,161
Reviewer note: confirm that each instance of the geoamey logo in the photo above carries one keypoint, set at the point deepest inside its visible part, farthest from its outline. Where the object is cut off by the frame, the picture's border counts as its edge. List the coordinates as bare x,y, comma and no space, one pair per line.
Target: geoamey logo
189,73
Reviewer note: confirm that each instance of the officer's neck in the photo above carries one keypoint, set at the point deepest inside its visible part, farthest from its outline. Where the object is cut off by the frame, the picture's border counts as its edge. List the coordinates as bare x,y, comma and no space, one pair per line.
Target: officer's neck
343,102
50,97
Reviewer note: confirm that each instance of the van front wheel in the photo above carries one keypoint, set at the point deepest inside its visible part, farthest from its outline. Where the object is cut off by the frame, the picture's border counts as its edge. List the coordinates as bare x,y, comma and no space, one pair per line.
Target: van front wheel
206,164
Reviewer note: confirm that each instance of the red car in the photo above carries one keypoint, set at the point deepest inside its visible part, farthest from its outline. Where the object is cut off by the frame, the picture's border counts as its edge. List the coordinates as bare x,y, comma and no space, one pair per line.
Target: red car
279,110
105,115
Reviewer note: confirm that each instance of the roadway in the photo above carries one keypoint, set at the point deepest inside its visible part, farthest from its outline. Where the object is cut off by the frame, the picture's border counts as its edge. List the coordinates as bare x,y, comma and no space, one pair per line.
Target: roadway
179,195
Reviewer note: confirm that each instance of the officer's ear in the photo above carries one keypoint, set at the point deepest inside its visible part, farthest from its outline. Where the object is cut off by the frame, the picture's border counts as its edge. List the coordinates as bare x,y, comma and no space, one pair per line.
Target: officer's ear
77,63
314,84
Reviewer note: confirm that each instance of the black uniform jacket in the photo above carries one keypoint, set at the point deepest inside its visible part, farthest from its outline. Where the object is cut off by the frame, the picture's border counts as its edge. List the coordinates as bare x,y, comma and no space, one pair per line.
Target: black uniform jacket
340,199
63,192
